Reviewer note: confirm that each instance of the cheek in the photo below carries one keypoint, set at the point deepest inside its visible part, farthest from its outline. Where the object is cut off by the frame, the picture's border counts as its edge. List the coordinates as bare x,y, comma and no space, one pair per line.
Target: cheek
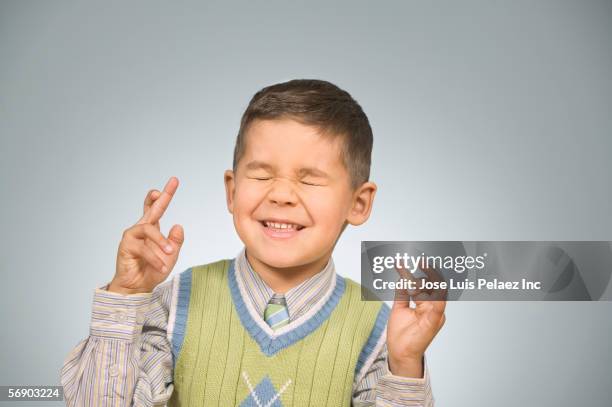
245,203
246,199
329,210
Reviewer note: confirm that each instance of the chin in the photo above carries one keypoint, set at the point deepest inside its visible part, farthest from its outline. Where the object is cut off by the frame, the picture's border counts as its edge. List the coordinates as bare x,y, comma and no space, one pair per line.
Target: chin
279,258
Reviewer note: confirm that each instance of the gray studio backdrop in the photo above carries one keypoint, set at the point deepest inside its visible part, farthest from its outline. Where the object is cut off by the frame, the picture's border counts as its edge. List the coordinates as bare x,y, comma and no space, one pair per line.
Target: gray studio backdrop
491,122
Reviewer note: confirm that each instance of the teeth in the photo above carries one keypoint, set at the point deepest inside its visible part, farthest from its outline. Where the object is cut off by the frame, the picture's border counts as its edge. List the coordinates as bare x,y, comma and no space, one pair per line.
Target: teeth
277,225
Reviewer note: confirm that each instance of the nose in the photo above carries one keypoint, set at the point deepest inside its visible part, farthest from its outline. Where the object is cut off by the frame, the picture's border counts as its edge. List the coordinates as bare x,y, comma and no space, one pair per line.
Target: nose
282,193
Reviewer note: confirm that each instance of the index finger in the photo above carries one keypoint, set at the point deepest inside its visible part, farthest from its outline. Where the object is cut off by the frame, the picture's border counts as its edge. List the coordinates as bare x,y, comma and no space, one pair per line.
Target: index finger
160,205
438,296
149,199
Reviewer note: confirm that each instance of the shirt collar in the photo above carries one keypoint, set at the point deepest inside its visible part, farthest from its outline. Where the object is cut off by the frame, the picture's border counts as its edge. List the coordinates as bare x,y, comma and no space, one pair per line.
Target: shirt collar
299,298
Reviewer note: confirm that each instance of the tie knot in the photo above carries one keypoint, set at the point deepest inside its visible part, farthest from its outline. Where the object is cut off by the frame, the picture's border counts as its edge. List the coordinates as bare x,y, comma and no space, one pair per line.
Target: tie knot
277,299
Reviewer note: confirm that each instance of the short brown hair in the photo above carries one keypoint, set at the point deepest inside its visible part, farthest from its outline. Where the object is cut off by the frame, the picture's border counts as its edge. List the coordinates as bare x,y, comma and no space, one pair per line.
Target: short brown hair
317,103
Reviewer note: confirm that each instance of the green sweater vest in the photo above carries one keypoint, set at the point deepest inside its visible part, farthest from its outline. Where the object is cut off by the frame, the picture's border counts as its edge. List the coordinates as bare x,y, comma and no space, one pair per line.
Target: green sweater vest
222,356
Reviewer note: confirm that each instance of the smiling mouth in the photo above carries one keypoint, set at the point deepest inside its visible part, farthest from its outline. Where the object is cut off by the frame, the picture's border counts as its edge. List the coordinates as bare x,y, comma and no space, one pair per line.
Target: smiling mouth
281,226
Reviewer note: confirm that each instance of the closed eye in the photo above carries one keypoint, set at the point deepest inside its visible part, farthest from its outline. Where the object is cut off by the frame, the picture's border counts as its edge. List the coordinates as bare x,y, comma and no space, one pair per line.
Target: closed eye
310,183
260,178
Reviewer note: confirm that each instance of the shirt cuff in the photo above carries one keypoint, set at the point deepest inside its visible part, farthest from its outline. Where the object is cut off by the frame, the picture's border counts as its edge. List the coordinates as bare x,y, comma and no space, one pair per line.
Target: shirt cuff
404,391
118,316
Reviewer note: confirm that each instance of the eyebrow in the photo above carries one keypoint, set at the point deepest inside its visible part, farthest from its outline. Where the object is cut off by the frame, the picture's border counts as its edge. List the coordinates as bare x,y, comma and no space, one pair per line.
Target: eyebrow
305,171
315,172
254,165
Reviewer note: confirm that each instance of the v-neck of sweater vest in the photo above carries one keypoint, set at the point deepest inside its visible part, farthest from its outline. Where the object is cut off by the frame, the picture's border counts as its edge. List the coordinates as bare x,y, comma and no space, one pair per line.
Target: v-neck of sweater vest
299,299
271,341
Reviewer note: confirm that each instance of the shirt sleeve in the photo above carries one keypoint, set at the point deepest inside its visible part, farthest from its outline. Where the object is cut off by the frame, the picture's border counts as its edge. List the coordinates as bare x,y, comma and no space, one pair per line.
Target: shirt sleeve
127,358
379,387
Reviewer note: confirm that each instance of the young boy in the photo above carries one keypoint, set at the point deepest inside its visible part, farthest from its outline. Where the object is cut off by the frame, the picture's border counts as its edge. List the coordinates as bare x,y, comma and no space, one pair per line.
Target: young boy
274,326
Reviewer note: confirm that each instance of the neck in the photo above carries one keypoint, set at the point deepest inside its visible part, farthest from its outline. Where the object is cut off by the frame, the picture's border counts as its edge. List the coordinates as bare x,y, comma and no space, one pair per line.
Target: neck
282,279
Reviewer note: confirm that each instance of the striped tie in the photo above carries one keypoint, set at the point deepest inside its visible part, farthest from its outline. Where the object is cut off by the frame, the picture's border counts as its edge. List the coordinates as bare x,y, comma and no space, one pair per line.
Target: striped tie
276,313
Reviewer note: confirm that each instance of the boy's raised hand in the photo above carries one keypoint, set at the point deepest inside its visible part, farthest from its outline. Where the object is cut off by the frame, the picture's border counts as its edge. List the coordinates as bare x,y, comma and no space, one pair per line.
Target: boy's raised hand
145,257
411,330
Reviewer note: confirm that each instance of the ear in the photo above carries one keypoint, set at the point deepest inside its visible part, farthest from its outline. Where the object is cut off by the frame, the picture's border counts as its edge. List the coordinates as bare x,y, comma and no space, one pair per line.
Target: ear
230,185
361,206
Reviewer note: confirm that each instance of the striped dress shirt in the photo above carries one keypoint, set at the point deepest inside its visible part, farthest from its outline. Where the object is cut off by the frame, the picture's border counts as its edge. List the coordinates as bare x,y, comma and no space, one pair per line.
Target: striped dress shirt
127,358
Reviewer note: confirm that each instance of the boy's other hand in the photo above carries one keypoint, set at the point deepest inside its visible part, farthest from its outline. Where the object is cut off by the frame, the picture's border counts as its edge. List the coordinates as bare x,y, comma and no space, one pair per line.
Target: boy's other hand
411,330
145,257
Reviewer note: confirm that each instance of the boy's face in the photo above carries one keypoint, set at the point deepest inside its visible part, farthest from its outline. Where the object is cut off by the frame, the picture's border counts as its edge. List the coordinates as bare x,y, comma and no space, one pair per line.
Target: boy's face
291,194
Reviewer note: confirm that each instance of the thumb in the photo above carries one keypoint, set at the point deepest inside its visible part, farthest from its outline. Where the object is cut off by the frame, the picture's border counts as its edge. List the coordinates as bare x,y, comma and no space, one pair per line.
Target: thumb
177,235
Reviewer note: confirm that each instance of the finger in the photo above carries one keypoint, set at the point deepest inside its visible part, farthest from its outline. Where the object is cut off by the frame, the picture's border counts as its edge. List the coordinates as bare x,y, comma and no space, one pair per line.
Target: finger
420,298
434,275
149,231
151,258
417,281
404,273
149,199
175,238
437,298
152,195
439,306
176,235
402,295
401,299
158,251
433,312
439,294
160,205
436,307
